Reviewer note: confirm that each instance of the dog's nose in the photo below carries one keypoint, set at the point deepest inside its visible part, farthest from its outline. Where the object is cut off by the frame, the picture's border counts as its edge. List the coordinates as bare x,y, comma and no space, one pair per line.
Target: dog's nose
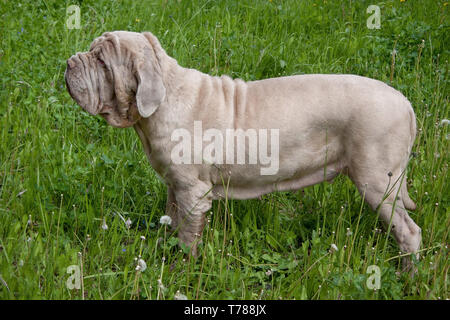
70,63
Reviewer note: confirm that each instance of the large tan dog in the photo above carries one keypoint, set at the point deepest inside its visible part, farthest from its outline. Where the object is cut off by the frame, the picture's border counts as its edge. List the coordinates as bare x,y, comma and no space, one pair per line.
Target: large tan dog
323,125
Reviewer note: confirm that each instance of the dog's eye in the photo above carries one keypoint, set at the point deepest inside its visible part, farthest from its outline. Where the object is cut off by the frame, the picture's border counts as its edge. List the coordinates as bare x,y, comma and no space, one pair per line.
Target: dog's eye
100,61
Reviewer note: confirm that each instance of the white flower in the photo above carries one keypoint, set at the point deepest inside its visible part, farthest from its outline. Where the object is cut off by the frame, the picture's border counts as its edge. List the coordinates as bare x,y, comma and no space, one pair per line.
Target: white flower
166,220
179,296
104,225
161,285
127,222
141,265
445,122
334,247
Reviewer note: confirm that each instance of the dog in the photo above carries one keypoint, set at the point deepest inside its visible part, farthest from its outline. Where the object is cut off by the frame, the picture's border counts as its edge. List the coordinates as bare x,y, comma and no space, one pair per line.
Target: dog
320,125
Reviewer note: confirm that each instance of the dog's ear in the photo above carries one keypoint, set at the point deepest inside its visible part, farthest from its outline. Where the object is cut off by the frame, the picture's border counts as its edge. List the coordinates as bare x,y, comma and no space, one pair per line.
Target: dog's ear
150,88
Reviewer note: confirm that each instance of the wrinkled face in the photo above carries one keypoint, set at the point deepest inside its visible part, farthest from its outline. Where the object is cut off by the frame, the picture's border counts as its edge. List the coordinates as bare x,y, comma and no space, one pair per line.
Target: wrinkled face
106,79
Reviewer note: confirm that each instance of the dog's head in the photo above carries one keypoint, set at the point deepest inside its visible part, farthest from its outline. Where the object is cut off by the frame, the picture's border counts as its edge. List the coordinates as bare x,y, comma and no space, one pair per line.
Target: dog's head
119,78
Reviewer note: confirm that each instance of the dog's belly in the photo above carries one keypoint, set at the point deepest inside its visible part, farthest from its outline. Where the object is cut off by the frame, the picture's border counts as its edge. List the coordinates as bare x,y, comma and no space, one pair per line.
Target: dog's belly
249,191
302,163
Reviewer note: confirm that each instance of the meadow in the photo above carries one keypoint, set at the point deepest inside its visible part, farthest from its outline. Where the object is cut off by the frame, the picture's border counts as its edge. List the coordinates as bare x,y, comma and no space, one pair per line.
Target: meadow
78,197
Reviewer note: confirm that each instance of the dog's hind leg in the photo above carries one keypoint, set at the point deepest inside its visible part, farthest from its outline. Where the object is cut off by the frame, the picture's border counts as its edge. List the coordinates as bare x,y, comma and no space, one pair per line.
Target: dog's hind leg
384,192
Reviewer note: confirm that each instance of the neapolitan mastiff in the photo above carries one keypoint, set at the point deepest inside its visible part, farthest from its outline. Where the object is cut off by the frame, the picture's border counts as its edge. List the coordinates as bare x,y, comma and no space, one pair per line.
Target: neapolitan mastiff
323,125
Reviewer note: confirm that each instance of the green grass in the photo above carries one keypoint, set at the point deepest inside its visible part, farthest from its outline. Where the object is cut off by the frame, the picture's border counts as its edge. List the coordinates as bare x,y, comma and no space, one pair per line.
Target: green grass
62,172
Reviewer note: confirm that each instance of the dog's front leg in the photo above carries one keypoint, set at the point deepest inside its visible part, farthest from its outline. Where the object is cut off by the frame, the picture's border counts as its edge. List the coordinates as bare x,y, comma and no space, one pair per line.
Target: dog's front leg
172,208
192,205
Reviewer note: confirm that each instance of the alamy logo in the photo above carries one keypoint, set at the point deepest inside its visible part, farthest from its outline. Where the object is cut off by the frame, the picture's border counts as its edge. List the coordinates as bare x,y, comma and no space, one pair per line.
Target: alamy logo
374,20
374,279
73,17
229,147
74,280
